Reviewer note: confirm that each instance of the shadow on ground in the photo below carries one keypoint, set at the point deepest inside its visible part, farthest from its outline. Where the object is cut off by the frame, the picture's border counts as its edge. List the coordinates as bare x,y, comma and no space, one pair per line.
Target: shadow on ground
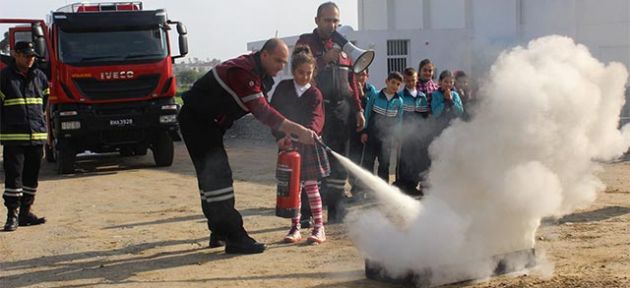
589,216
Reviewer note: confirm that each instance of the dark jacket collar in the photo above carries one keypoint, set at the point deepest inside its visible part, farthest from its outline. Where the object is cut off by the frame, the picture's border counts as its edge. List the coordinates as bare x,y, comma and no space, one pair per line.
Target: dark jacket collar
16,71
266,80
319,39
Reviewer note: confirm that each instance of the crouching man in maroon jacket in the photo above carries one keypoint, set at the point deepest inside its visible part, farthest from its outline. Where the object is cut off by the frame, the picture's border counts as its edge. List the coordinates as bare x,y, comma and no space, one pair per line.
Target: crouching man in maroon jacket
228,92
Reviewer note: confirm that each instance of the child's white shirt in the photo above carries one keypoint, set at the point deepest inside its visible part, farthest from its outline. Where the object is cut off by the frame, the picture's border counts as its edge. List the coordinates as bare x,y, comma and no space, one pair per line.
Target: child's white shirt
300,89
413,92
388,96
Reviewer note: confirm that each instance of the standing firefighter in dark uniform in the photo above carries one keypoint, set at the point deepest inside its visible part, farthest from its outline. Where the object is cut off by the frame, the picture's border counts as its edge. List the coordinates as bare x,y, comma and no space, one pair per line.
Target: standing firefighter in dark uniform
22,133
342,103
228,92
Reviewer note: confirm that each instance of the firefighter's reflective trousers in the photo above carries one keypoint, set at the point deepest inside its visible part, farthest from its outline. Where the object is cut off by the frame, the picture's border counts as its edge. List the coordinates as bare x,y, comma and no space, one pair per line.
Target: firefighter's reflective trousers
21,171
336,134
204,141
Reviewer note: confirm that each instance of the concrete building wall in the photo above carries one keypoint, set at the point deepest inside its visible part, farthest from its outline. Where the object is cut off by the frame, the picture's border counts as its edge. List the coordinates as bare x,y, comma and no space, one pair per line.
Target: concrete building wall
446,14
487,27
373,14
408,14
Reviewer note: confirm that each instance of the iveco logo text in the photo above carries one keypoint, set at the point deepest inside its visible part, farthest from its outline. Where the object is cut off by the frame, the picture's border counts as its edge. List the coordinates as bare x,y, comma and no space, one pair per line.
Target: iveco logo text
116,75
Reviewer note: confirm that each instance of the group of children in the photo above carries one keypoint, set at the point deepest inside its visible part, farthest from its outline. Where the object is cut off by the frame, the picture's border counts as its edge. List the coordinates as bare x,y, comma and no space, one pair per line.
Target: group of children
411,116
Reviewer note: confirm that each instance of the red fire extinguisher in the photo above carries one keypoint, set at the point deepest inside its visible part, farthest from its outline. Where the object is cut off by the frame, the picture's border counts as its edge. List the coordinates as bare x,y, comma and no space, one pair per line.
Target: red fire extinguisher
288,176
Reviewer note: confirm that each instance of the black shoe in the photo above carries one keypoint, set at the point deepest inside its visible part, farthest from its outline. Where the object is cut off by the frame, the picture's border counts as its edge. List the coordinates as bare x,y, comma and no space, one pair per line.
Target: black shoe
12,221
216,241
246,245
335,216
30,219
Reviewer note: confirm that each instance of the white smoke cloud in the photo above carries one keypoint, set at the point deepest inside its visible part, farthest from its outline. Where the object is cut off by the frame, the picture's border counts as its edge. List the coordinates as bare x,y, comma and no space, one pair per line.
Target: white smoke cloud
549,112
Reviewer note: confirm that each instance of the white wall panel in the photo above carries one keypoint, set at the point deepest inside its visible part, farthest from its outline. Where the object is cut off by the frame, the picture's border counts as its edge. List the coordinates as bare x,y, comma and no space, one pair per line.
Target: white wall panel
447,14
374,14
408,14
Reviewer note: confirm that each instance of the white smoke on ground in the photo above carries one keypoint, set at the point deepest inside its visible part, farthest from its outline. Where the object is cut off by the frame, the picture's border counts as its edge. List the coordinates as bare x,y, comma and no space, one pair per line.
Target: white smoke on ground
549,112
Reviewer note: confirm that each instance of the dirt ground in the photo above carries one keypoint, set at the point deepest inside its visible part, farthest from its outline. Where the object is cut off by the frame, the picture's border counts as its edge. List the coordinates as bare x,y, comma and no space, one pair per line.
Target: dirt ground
121,222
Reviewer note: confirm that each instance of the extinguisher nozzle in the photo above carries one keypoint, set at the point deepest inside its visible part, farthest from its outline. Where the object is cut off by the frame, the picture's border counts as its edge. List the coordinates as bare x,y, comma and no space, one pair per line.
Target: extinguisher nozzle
321,142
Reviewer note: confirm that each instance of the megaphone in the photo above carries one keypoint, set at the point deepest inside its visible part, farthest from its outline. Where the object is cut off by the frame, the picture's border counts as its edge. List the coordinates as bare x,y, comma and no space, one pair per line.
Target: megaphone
361,59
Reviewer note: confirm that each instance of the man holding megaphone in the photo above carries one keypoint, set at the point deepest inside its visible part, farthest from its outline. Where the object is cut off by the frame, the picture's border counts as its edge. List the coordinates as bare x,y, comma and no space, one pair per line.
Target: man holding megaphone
337,61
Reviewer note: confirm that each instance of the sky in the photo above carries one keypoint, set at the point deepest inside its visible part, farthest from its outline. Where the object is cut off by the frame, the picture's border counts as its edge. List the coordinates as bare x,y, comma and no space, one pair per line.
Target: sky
215,28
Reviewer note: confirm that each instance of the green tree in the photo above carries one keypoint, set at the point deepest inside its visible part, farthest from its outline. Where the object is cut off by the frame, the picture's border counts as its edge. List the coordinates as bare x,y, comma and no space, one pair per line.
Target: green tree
187,77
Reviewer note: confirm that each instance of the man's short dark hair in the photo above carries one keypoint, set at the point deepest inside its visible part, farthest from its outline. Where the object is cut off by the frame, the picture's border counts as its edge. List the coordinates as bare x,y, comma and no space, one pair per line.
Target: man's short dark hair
395,75
271,45
326,5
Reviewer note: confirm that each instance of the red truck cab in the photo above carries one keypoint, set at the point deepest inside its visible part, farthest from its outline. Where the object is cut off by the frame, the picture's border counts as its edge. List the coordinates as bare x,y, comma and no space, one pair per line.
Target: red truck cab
113,86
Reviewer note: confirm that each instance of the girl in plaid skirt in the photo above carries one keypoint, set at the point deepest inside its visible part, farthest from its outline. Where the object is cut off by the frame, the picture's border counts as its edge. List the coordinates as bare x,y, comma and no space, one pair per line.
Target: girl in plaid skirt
298,100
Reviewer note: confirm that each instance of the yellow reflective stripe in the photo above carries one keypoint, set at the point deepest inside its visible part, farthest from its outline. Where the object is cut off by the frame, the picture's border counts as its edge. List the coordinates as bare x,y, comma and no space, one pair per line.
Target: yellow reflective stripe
1,95
39,136
31,101
16,101
23,101
46,91
23,137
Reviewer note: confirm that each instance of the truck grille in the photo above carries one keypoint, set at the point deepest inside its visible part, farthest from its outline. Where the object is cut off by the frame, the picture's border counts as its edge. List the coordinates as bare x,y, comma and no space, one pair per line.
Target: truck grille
117,89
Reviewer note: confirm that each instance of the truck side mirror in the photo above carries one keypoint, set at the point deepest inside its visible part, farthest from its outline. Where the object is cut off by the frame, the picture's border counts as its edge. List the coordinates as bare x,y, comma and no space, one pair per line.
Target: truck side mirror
38,38
183,38
183,45
181,28
37,30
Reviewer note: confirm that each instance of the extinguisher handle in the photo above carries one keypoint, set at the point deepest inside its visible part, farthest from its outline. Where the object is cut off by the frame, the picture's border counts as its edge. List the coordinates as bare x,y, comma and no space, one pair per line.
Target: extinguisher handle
284,145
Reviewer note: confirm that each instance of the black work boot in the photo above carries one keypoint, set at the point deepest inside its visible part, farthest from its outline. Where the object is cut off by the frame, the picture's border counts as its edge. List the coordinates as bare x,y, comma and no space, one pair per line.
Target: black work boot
336,213
27,218
244,245
216,241
12,220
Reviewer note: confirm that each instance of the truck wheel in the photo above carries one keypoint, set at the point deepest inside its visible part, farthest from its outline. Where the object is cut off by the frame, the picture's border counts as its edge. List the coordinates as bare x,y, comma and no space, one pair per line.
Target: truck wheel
49,153
65,160
163,150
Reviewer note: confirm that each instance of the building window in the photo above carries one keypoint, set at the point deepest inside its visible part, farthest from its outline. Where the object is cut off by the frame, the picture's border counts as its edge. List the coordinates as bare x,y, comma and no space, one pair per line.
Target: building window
397,52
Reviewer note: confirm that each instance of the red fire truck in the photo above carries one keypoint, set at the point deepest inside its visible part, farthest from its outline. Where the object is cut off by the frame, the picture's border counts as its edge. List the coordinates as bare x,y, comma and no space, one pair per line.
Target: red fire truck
112,81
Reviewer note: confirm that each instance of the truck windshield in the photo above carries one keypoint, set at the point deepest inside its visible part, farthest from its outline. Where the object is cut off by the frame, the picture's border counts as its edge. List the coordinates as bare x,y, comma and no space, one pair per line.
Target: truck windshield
112,46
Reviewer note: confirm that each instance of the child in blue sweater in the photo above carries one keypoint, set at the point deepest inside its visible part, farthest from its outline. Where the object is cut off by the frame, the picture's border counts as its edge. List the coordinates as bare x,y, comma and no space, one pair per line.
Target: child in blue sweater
383,117
445,102
356,149
413,157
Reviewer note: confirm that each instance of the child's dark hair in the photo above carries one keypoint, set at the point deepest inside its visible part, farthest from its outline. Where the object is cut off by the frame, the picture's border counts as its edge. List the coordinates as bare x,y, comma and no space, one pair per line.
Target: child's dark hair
409,71
395,75
423,63
445,73
460,74
302,54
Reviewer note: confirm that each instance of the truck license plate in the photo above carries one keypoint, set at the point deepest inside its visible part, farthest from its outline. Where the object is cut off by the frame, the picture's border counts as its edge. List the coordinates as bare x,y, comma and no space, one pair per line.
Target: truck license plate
120,122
